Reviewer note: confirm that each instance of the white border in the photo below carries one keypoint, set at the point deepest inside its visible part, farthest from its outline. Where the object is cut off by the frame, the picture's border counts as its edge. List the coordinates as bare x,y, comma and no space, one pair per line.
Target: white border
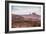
30,28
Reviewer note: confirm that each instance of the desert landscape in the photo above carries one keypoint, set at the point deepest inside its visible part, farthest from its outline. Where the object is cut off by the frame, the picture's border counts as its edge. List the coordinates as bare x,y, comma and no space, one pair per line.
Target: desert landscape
25,16
30,20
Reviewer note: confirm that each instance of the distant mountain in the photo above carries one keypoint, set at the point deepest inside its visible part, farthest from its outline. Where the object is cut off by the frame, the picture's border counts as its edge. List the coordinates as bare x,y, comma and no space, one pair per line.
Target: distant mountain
33,17
33,14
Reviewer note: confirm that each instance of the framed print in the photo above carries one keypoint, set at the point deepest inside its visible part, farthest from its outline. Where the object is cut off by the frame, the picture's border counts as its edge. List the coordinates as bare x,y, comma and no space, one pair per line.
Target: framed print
24,16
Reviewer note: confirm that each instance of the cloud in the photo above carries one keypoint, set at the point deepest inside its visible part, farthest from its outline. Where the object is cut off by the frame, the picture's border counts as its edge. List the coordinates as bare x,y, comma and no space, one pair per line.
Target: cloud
24,10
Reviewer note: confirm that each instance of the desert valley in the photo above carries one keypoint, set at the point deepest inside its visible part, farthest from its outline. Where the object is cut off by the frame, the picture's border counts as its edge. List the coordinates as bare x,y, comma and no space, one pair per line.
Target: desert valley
31,20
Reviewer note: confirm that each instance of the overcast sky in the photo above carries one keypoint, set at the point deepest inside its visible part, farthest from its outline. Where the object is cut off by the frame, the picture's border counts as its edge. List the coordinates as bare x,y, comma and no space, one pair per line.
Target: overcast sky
25,10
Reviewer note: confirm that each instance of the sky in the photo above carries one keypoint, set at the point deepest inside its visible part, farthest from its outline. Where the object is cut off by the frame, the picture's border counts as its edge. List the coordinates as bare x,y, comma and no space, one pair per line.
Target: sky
25,10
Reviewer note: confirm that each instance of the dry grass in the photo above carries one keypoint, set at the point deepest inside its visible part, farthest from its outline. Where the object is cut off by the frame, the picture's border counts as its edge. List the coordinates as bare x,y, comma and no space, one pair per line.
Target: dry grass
19,24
